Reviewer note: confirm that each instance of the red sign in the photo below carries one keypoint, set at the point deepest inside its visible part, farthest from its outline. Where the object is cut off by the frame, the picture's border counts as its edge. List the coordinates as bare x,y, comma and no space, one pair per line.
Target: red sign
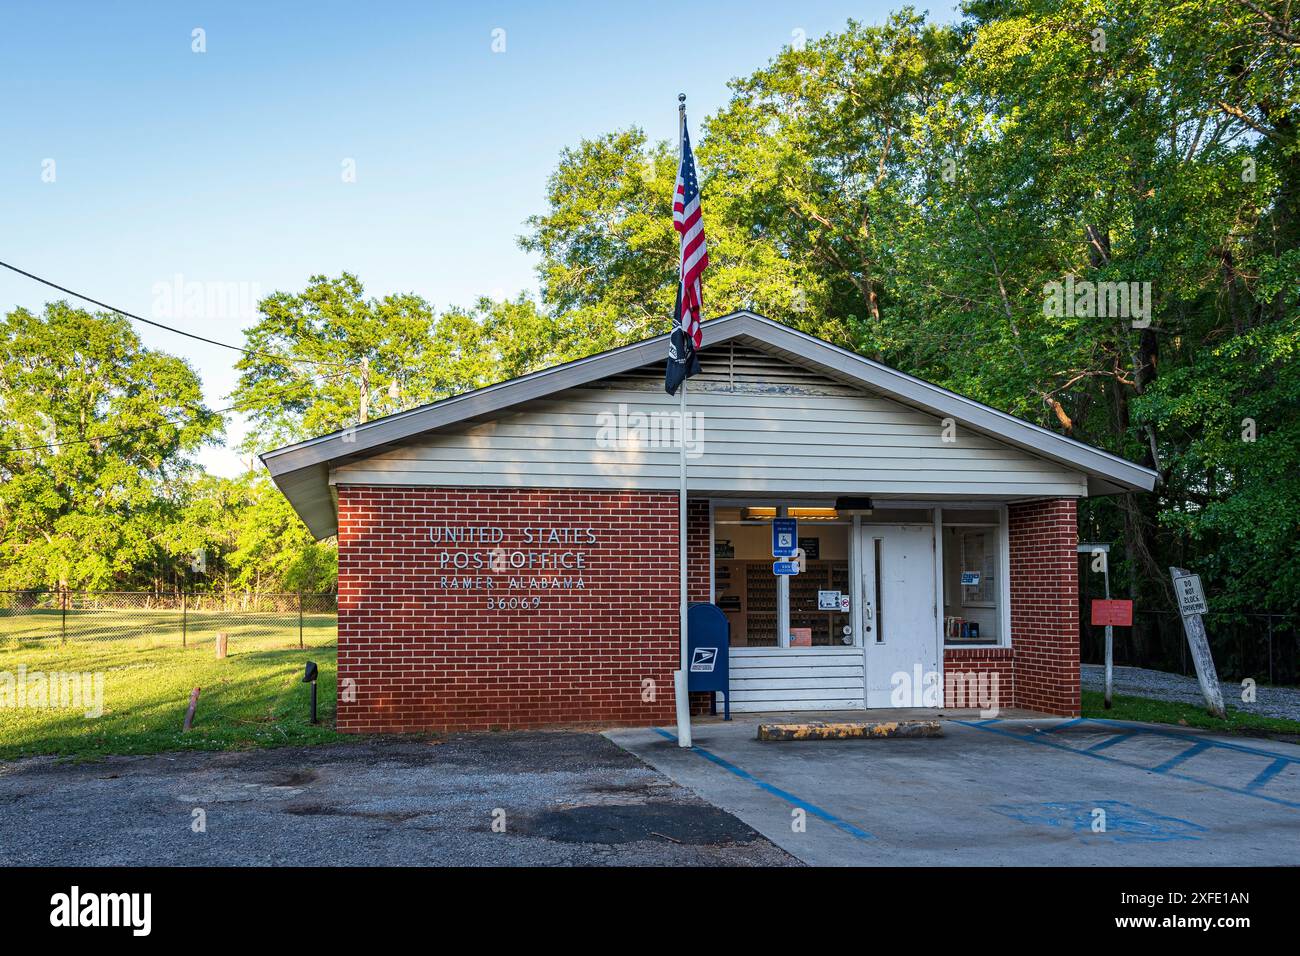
1116,613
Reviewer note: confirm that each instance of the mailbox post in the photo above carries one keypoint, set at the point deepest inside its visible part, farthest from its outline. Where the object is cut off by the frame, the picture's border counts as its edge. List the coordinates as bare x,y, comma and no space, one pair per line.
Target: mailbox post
309,677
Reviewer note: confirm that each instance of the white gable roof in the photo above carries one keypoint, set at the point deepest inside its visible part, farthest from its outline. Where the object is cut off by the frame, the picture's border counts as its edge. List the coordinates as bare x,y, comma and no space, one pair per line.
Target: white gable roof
302,470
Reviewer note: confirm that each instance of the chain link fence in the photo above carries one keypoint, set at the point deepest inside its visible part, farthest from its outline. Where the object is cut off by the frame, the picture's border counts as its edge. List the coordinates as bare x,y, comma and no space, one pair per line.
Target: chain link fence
1263,646
40,618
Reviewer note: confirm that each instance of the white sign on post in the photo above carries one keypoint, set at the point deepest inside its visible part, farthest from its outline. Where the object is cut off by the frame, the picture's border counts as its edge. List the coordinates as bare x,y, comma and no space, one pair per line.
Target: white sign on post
1191,604
1191,599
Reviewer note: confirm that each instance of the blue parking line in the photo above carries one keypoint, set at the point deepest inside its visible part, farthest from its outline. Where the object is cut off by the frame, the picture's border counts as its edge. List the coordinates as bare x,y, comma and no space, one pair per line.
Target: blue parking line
1062,726
1188,754
1042,741
774,791
1110,742
1267,774
1156,732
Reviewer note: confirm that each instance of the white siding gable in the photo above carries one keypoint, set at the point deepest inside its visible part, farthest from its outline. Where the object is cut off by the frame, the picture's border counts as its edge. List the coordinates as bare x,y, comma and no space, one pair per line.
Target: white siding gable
768,426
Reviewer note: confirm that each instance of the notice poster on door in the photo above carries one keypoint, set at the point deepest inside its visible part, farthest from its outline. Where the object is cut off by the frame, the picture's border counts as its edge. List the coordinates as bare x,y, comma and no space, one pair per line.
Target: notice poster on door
801,637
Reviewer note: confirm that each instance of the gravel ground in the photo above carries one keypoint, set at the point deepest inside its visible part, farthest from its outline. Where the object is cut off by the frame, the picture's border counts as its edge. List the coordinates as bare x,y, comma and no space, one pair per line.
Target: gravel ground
565,798
1139,682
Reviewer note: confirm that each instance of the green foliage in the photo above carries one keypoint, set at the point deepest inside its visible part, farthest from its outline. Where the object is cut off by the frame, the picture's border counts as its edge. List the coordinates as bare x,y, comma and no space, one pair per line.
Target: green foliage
912,191
606,242
122,421
250,538
328,331
335,342
907,190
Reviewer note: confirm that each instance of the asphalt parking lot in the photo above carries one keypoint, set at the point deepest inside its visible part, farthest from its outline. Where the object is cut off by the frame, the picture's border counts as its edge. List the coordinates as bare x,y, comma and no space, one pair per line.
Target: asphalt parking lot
989,792
556,798
994,792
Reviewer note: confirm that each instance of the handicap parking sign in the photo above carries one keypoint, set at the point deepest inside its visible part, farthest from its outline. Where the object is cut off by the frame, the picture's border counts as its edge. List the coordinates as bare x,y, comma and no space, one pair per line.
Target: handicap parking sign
785,537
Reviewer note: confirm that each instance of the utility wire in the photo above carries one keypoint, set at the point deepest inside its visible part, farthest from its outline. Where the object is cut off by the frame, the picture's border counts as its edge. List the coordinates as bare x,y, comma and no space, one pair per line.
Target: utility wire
168,328
143,428
129,431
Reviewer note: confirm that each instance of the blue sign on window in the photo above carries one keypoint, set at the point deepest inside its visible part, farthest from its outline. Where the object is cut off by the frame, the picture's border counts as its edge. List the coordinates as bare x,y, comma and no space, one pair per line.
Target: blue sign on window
785,537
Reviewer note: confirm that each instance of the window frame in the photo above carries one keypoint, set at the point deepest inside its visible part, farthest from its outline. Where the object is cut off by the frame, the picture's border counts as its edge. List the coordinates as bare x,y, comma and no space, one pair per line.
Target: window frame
951,510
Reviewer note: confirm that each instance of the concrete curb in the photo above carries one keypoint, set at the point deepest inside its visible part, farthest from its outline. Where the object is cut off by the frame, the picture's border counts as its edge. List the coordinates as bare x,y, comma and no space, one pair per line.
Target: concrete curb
850,730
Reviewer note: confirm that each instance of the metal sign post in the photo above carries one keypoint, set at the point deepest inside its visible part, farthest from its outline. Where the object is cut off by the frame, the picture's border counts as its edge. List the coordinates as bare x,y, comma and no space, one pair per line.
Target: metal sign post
1110,637
1104,551
1191,605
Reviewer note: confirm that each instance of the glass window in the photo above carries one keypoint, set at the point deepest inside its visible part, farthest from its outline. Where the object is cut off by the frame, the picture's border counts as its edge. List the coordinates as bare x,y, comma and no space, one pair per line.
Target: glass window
746,589
972,572
743,584
817,617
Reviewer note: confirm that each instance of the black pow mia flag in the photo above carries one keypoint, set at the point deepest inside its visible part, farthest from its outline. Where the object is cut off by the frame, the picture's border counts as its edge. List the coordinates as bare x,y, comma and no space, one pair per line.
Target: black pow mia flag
683,358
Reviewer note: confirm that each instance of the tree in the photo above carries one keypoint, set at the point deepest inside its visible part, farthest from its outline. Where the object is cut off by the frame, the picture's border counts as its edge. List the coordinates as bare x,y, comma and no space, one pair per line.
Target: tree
93,428
808,169
915,192
607,248
336,343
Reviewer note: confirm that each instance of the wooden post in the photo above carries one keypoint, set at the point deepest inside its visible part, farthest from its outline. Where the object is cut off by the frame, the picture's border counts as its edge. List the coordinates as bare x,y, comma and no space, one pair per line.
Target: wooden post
221,644
194,703
1199,643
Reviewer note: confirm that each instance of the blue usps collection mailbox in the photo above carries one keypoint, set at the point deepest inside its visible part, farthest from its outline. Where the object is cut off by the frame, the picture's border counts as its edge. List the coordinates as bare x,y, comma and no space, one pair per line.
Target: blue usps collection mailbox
708,636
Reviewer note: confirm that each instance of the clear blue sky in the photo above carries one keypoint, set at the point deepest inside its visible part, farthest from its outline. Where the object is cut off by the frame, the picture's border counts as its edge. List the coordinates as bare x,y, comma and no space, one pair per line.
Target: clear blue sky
226,166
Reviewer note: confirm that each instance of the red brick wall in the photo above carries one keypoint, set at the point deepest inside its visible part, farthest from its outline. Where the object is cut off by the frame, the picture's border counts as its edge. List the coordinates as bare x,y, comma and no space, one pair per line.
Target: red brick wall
697,550
962,663
1045,605
697,574
425,657
422,657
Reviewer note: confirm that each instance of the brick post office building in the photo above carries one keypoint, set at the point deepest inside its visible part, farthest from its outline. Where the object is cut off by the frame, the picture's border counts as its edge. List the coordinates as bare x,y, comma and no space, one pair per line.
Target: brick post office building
509,557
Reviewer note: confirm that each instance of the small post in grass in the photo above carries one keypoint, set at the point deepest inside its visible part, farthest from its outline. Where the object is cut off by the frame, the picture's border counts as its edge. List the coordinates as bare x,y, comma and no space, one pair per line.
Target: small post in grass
309,677
221,644
194,703
300,622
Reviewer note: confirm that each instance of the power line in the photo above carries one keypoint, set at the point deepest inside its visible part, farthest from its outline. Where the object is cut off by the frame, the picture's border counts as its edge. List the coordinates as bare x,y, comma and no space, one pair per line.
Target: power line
168,328
129,431
143,428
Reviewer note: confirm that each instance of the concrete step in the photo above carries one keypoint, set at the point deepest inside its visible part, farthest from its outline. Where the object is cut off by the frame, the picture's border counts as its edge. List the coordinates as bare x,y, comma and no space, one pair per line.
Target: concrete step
849,729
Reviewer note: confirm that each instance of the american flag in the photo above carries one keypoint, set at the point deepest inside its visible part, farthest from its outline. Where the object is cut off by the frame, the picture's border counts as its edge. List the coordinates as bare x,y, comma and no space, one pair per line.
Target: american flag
693,259
694,251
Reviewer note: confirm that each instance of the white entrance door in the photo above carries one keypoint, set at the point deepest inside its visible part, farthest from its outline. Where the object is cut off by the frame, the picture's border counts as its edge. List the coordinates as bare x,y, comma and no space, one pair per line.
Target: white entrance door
899,633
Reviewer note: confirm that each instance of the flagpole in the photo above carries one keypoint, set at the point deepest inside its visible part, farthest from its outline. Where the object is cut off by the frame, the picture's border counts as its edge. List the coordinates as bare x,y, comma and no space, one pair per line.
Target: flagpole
682,694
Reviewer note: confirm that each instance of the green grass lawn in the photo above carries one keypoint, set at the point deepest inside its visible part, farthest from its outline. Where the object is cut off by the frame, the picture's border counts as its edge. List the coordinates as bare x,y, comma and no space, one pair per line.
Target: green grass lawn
1187,715
253,698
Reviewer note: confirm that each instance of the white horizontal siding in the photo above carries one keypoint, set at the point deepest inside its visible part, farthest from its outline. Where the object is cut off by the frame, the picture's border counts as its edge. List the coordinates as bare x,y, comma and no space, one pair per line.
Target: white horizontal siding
786,441
776,679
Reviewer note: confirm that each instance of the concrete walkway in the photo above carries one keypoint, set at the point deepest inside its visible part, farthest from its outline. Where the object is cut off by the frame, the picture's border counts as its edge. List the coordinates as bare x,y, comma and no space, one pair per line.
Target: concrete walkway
1006,791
